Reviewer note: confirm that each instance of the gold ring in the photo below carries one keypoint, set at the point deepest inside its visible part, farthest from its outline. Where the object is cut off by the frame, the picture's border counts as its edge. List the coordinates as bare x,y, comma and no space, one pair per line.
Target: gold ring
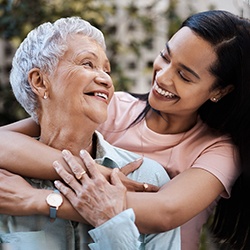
79,176
145,186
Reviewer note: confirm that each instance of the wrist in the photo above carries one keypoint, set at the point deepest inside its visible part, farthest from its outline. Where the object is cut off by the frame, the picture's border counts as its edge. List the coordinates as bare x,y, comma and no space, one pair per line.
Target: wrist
38,202
54,201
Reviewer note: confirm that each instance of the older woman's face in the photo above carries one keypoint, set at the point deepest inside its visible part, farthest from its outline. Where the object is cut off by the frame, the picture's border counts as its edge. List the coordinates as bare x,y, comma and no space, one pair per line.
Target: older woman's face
81,86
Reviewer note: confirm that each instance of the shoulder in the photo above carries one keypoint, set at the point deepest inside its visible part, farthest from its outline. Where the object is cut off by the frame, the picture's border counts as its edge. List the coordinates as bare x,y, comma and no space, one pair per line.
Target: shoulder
124,100
122,111
207,136
124,97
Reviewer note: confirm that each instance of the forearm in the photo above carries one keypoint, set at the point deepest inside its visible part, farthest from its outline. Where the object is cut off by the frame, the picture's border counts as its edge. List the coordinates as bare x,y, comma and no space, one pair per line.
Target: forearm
26,156
150,212
37,205
176,202
26,126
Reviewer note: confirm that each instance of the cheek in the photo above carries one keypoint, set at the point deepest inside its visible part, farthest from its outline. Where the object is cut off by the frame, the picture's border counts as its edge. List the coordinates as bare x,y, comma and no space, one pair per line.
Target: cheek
156,64
111,93
196,99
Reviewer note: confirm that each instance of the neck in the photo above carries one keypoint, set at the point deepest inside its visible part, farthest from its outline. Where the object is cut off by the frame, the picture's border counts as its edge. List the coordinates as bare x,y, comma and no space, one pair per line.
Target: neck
169,124
71,139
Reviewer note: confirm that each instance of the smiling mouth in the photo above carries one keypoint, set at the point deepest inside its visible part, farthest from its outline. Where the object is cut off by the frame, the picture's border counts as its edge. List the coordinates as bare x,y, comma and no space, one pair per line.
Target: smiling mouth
163,92
99,94
102,95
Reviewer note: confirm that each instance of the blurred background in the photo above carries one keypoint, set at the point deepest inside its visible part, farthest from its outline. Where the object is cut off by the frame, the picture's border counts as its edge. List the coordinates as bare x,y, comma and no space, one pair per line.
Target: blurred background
135,32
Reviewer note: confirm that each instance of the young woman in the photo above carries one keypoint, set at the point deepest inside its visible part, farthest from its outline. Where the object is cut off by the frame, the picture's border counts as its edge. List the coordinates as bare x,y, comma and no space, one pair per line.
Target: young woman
194,121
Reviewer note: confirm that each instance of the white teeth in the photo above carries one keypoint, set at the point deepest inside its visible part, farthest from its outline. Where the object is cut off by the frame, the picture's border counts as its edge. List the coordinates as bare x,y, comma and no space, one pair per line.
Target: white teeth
101,95
163,92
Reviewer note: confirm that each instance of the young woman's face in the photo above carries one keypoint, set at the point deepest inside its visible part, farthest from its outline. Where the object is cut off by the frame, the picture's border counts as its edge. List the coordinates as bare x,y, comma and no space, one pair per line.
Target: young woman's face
81,86
182,81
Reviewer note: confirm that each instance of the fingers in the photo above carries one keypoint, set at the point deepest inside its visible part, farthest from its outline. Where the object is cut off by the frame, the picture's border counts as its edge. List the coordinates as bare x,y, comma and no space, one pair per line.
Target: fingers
114,178
66,177
145,187
74,165
132,166
90,164
67,192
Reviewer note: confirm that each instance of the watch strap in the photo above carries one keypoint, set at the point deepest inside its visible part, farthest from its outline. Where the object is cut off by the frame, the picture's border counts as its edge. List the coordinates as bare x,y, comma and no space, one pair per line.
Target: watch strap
52,213
53,210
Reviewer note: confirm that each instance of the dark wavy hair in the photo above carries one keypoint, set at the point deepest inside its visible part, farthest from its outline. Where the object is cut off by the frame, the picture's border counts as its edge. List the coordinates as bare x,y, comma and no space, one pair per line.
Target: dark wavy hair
230,37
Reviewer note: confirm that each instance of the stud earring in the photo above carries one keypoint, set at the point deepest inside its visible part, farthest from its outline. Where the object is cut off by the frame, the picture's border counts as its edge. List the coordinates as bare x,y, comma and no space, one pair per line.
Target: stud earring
45,96
214,99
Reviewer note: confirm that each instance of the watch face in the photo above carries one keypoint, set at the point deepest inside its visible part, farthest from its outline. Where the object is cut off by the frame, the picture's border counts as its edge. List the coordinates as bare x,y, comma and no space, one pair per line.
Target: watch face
54,199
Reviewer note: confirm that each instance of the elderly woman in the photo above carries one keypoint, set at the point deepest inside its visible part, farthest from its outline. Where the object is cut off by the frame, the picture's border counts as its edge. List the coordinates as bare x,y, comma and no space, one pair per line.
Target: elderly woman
59,71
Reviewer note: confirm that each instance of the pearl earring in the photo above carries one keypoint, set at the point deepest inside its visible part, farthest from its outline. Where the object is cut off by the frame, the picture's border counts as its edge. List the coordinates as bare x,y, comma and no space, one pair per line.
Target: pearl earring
214,99
45,96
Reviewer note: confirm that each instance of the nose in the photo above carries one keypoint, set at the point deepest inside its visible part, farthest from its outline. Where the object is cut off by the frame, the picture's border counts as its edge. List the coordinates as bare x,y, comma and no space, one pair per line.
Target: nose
103,78
163,72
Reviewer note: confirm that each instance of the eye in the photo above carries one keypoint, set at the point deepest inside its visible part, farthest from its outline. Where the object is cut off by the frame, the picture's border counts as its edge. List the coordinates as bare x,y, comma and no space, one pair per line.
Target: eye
183,77
164,57
88,64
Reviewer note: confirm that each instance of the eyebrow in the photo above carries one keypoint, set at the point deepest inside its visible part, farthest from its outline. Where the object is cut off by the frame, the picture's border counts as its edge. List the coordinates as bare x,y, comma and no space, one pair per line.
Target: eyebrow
182,65
95,55
88,51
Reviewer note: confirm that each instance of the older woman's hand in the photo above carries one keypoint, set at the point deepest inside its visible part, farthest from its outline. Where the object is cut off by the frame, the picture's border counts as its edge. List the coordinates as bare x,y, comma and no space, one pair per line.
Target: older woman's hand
131,185
95,199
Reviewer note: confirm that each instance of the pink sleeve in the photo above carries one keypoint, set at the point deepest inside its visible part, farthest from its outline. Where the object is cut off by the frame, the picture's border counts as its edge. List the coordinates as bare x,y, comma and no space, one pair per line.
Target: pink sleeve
221,160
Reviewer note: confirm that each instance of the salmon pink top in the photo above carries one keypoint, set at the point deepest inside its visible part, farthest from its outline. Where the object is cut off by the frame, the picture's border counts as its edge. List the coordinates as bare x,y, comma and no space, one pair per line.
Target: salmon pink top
199,147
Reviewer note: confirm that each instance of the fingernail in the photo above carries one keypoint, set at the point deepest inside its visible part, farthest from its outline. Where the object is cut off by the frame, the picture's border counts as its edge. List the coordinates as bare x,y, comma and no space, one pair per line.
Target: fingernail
65,153
82,152
116,170
57,184
56,164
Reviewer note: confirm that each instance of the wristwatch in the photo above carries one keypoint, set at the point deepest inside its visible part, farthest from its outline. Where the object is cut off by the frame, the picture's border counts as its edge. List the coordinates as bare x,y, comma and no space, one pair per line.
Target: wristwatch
54,200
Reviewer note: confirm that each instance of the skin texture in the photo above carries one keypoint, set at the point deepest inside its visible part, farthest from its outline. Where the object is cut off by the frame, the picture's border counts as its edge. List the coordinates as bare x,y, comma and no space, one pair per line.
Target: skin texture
188,193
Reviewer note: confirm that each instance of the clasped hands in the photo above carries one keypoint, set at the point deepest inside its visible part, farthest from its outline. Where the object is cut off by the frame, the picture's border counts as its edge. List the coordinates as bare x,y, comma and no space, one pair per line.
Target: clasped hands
96,198
99,185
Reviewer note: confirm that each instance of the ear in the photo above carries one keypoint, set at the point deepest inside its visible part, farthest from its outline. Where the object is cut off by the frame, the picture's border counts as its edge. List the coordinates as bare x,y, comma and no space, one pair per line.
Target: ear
37,83
220,93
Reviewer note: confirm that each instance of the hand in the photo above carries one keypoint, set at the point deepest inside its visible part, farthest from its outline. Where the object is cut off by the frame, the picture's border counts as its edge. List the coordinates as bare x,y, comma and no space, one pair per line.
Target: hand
131,185
134,185
14,190
94,198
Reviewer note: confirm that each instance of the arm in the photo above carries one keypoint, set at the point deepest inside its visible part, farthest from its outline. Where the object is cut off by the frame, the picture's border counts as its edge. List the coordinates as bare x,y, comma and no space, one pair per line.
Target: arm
28,157
26,126
16,190
177,201
102,203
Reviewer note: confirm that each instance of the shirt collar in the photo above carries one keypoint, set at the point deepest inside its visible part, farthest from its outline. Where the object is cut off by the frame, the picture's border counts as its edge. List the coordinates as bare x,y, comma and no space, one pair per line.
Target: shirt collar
106,154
